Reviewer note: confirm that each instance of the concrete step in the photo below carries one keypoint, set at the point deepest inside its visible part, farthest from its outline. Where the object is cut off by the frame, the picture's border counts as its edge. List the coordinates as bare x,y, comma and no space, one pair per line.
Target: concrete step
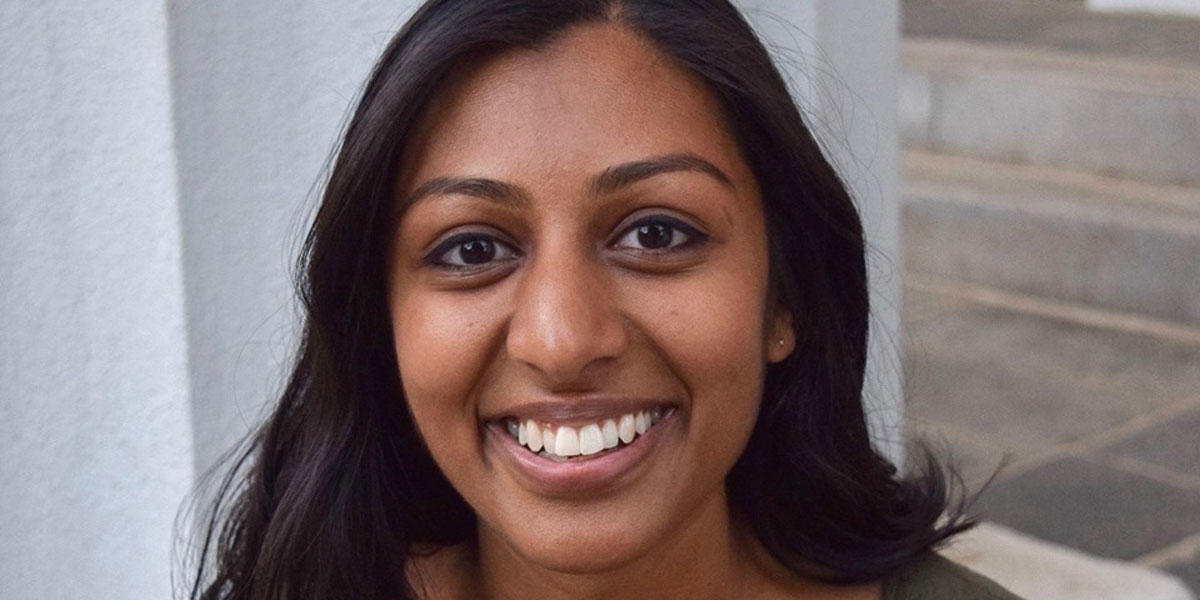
1130,116
1032,568
1066,26
1108,243
1094,417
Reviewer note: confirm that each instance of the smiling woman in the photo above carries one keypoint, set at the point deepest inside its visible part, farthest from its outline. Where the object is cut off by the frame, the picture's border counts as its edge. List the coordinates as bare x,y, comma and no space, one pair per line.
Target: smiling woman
586,318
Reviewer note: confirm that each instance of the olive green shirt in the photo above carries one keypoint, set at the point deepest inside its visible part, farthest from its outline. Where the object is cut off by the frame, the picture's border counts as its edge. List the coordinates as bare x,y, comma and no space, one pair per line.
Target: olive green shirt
936,578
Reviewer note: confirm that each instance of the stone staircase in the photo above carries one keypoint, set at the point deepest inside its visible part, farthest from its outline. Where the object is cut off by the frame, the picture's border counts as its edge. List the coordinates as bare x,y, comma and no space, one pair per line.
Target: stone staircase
1051,235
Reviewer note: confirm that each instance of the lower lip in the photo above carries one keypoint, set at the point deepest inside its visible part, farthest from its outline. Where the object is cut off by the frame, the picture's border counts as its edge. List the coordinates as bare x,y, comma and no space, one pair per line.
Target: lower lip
580,476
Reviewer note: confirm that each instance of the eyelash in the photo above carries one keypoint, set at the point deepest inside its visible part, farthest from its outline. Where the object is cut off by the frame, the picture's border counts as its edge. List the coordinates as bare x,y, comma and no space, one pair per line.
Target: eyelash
694,238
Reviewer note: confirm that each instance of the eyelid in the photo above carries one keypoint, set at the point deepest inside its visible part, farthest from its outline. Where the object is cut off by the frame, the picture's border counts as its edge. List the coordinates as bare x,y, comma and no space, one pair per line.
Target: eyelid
694,234
432,258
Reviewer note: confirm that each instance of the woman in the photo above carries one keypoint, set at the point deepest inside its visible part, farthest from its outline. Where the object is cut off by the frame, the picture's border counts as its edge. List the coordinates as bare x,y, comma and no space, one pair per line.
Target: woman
586,317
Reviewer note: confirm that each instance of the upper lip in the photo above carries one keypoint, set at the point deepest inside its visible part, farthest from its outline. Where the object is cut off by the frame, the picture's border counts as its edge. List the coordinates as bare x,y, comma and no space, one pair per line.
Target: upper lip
591,408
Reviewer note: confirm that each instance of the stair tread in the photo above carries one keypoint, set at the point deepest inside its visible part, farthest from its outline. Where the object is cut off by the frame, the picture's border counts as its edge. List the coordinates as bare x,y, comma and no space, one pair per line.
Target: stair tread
1049,191
986,59
1113,244
1116,116
1057,25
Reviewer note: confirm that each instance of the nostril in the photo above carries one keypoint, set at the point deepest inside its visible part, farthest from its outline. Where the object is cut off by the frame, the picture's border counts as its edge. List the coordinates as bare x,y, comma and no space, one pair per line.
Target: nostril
563,321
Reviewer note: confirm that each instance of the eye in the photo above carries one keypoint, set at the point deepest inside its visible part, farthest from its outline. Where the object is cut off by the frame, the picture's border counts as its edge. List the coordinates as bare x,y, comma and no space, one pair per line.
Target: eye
660,234
467,251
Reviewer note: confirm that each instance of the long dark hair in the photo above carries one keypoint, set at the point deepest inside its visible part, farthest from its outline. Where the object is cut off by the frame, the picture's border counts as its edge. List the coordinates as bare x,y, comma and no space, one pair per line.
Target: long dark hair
335,489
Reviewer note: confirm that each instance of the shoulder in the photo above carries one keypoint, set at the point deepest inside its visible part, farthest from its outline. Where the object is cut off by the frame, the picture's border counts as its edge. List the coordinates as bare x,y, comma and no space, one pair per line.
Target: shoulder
933,577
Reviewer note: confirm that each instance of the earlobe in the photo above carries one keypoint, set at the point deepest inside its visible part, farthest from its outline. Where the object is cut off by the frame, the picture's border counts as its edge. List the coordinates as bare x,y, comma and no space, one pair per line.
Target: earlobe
782,340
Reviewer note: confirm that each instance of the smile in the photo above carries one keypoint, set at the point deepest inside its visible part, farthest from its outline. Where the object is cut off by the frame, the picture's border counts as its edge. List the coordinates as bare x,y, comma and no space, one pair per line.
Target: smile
568,443
582,449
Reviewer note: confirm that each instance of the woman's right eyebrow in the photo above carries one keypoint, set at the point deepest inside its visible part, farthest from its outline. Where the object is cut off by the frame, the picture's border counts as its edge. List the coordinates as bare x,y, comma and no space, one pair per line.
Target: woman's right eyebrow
609,181
480,187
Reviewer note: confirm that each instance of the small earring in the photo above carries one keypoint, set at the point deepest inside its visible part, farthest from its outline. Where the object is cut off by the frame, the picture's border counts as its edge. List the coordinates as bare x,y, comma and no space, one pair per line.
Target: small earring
780,342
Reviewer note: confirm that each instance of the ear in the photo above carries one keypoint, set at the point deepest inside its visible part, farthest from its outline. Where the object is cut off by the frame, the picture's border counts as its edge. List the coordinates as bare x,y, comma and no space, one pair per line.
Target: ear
782,339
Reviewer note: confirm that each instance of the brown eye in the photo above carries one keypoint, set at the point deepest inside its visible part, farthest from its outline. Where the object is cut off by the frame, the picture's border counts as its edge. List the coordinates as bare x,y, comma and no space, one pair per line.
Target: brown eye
660,234
468,251
477,252
656,235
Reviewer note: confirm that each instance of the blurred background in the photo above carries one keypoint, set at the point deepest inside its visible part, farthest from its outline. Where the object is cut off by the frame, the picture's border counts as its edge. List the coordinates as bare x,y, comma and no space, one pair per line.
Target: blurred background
1028,171
1051,265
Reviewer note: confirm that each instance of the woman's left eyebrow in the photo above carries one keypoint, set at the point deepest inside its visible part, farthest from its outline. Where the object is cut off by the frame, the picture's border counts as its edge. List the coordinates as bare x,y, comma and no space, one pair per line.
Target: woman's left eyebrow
619,176
607,182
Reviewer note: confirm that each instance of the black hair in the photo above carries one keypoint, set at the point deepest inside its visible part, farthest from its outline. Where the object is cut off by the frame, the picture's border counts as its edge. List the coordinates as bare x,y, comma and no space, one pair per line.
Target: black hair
336,488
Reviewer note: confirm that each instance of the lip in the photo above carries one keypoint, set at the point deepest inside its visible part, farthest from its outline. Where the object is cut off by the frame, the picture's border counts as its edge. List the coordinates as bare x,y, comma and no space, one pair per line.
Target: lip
578,412
580,477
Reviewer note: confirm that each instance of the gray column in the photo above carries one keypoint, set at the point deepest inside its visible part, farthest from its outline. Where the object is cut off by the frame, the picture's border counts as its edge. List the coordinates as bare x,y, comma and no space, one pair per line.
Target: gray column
841,57
95,442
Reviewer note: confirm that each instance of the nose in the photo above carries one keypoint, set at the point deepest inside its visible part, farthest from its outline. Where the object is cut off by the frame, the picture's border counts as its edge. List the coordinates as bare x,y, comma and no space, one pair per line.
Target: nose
565,319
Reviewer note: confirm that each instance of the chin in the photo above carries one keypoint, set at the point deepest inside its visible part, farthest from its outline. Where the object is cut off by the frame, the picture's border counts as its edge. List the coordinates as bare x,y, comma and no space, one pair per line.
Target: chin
579,559
576,548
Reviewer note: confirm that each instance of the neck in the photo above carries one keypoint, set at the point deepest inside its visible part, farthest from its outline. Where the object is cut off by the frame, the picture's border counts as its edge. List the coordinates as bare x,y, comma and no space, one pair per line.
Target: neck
698,561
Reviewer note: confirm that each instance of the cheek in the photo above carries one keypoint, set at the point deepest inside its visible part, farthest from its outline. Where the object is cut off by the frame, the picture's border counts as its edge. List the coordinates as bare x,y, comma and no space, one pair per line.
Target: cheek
709,329
440,355
712,320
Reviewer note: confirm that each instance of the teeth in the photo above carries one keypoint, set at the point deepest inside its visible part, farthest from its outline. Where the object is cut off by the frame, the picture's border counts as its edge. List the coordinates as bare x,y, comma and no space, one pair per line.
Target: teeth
533,436
567,442
626,428
611,437
593,438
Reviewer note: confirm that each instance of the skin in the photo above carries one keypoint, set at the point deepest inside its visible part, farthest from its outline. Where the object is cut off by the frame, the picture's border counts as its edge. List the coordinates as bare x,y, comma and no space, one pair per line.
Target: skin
573,305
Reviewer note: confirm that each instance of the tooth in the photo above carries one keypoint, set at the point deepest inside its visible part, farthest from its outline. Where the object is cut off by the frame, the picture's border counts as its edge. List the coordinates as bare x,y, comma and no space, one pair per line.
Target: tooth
626,428
591,440
642,422
533,435
656,414
611,436
511,426
548,440
566,443
521,434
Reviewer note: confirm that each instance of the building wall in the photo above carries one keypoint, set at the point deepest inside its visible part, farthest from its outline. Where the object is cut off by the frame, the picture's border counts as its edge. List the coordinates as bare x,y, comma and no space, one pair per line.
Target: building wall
95,438
159,163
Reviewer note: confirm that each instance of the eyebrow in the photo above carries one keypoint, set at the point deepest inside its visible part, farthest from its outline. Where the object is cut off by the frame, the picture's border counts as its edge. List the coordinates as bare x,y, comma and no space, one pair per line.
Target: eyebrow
610,180
615,178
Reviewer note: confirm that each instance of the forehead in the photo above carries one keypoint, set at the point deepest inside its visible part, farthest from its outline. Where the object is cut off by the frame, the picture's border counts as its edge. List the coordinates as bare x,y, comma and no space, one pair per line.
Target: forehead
600,95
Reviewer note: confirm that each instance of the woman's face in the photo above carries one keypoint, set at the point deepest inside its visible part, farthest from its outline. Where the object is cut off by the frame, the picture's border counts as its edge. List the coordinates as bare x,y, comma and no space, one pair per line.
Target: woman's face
583,267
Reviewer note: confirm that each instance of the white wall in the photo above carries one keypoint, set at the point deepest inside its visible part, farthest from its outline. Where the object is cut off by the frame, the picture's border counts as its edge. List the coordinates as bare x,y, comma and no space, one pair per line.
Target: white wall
95,444
156,164
1166,7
